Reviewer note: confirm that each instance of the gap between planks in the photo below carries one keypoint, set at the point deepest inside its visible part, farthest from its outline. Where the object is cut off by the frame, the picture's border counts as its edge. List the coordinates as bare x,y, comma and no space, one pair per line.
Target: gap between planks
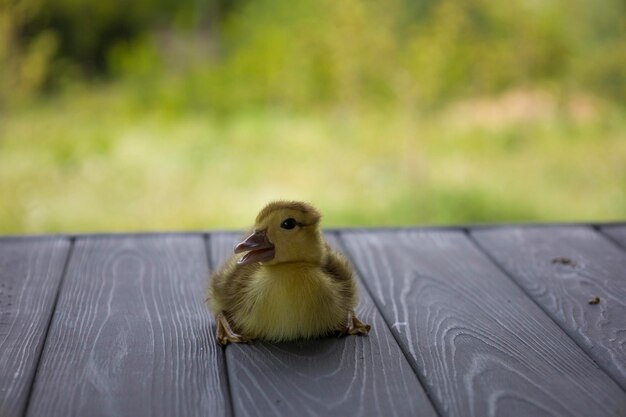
602,230
403,348
68,257
210,266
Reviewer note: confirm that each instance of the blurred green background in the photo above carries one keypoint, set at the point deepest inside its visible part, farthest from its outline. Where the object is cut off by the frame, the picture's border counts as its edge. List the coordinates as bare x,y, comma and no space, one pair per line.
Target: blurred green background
176,115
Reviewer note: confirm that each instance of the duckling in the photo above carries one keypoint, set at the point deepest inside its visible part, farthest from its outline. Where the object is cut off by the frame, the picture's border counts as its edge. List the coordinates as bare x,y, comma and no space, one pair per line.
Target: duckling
289,284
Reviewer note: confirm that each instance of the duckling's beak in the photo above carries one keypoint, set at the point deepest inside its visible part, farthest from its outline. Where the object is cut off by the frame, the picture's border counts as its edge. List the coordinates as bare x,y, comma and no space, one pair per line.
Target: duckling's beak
258,246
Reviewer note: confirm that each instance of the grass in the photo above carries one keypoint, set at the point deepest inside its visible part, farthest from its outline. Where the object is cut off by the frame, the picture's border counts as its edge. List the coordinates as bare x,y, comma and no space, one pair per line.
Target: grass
97,160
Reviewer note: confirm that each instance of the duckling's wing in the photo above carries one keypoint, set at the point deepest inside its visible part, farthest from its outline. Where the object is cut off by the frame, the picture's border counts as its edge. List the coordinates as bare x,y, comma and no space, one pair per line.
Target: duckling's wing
337,267
228,283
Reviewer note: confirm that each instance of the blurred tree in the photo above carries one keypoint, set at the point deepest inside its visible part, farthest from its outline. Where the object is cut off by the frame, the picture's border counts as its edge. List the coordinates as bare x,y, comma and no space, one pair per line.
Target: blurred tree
23,62
45,40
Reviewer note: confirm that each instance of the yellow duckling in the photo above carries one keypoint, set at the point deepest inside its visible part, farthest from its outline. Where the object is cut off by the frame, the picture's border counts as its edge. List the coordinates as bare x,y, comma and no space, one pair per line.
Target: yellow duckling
288,285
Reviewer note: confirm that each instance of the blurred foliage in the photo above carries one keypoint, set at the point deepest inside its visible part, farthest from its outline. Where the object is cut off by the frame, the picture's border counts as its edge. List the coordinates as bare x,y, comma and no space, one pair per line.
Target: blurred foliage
309,52
154,114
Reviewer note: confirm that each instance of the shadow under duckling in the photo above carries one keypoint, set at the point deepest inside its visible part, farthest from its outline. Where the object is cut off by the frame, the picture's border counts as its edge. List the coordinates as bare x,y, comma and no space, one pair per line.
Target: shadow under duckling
288,285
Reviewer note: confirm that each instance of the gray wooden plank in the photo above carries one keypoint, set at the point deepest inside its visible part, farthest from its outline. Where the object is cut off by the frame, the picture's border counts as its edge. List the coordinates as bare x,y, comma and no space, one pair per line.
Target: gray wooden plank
131,335
482,346
30,273
351,376
616,233
562,268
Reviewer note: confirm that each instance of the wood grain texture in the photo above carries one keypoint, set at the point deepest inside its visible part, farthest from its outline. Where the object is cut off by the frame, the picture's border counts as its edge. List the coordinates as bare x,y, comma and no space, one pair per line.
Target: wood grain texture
482,346
562,268
351,376
131,335
616,233
30,273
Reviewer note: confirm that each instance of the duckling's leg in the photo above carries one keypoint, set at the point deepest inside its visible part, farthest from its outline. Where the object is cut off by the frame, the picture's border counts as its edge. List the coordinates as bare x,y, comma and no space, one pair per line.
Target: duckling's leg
354,326
225,334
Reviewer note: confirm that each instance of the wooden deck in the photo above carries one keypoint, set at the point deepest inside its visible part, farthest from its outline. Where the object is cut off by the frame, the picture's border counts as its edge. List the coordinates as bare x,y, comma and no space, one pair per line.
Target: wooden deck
478,321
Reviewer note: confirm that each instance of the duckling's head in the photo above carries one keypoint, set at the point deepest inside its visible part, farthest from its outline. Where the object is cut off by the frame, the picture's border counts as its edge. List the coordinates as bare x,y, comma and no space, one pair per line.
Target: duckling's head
284,231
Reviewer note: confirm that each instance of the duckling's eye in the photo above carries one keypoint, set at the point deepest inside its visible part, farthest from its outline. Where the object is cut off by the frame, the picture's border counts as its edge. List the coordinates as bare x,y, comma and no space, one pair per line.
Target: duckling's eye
289,223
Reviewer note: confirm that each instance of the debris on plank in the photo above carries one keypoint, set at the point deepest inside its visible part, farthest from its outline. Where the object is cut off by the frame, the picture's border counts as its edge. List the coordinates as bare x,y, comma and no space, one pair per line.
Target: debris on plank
594,300
563,261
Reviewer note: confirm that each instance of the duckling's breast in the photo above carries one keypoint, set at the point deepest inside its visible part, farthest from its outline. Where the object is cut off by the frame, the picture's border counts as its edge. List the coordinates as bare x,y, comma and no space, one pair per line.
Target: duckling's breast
290,302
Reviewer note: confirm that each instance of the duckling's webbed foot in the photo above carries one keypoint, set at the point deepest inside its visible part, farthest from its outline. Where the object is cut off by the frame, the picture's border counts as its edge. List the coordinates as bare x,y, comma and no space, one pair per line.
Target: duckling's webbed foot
225,334
358,327
354,326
